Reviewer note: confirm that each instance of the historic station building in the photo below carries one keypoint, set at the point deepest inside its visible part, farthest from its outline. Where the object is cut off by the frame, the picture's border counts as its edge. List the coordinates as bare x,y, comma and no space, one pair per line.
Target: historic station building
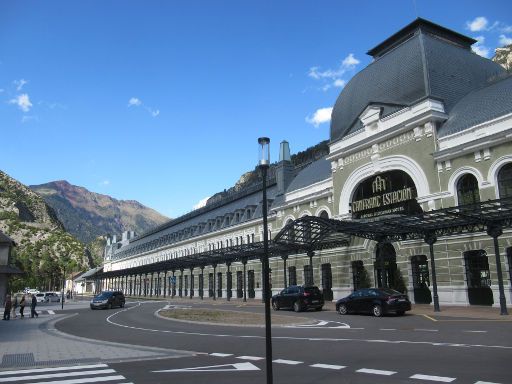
426,126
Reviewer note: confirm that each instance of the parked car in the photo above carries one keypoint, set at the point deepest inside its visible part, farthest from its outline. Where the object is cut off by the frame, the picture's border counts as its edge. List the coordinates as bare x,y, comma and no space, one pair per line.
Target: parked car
51,297
40,297
377,301
108,299
299,298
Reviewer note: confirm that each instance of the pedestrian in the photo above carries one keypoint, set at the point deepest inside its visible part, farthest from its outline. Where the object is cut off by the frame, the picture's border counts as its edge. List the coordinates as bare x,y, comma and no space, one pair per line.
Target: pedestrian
22,306
33,306
14,306
7,308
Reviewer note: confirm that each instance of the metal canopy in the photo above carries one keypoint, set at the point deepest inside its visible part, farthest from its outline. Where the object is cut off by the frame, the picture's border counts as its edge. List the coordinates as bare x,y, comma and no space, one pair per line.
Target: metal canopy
312,233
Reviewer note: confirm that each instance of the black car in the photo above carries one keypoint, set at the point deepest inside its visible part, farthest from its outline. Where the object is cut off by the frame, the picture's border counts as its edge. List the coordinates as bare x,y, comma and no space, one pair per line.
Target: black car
299,298
108,299
377,301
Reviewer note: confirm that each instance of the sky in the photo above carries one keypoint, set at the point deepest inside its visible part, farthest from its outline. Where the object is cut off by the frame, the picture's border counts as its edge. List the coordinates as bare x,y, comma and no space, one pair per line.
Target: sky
163,101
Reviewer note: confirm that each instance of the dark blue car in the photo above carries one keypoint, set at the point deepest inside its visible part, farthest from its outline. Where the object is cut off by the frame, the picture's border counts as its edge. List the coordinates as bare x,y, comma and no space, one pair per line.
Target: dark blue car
377,301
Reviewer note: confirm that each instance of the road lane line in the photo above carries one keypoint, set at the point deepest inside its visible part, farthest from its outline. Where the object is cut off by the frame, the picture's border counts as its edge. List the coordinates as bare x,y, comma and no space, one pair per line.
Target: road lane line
388,329
50,312
221,354
430,318
328,366
55,375
376,372
475,331
250,358
86,380
289,362
426,330
485,382
70,368
433,378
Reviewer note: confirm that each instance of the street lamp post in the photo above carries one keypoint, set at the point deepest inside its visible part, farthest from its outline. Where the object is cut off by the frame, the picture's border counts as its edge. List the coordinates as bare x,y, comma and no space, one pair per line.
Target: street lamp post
264,163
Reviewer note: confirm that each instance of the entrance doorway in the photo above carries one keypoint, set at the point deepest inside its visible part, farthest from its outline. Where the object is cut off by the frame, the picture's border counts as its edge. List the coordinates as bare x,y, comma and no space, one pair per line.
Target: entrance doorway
239,284
327,282
386,273
250,284
478,277
420,279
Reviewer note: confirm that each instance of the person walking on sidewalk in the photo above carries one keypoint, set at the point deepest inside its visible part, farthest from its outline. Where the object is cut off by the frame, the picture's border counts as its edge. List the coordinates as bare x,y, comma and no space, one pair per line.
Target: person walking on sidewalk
7,308
33,306
22,306
14,306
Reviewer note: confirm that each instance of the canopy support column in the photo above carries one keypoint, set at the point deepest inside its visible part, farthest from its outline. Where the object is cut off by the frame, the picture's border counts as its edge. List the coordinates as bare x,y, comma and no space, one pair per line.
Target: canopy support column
430,239
495,231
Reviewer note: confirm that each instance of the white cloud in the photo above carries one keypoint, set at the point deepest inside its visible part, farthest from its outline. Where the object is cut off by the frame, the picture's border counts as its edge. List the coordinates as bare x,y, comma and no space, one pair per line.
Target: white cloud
27,119
504,40
19,84
350,61
322,115
478,24
134,102
105,183
479,48
339,83
201,203
22,101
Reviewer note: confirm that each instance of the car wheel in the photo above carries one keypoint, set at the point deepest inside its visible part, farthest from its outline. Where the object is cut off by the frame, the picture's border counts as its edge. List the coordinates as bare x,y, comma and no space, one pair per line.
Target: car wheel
296,306
400,313
318,308
275,306
109,306
122,305
342,309
377,310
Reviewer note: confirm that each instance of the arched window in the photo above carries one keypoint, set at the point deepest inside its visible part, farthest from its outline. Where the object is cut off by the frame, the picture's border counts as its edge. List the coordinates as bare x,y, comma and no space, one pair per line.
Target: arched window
324,215
467,190
505,181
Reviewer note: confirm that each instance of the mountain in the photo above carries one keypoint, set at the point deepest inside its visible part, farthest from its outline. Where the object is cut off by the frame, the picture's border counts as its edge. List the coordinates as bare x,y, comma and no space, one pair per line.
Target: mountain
503,57
43,249
87,215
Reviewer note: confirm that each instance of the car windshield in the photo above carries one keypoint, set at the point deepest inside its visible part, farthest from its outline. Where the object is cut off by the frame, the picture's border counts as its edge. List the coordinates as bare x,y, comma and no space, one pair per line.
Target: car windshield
389,291
104,295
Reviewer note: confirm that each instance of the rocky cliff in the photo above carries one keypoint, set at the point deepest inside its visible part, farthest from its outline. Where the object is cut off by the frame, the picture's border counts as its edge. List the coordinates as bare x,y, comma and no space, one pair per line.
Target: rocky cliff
87,215
43,248
503,57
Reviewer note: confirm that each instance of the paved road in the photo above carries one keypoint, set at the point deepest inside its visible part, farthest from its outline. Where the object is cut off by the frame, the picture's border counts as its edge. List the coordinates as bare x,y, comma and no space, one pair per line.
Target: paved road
460,345
351,349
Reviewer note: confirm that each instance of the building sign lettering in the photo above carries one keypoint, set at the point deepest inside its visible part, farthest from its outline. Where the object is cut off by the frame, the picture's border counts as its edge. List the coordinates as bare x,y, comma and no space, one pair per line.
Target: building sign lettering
390,192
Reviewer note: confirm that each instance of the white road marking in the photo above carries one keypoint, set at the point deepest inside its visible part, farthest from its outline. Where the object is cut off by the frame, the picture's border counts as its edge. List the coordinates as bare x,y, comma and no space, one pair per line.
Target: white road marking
433,378
55,375
485,382
37,370
217,368
321,324
50,312
289,362
328,366
376,371
81,381
221,354
426,330
388,329
475,331
255,358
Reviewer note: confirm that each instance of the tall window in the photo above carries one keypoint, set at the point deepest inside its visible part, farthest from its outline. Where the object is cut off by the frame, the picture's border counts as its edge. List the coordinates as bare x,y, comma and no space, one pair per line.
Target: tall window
505,181
324,215
292,275
467,190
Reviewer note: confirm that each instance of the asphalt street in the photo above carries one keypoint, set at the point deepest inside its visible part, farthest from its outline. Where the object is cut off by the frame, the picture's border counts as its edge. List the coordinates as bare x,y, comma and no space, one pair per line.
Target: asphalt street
335,349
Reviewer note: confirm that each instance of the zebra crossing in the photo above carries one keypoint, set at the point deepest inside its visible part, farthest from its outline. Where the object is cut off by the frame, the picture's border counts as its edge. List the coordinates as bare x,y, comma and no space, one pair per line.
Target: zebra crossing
78,374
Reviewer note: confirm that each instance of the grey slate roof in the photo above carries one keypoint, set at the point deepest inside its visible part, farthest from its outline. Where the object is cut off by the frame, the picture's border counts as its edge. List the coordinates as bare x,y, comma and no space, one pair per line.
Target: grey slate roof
315,172
482,105
425,63
254,199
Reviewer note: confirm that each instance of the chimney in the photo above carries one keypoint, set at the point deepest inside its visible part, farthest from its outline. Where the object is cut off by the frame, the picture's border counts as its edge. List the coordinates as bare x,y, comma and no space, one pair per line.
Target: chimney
284,168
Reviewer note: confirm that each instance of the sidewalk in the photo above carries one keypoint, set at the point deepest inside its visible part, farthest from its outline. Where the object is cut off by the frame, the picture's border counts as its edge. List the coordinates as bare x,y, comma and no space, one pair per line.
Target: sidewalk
35,342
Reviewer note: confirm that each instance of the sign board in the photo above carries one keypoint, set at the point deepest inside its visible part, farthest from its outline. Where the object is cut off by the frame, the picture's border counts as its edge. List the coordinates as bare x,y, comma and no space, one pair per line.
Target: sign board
172,279
391,192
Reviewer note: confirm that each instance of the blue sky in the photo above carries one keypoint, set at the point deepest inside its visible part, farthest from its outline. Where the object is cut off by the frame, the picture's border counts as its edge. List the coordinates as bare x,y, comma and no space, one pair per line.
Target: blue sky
163,101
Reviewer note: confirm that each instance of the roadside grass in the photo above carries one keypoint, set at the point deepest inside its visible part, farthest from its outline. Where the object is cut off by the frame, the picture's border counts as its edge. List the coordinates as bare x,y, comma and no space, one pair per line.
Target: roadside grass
225,317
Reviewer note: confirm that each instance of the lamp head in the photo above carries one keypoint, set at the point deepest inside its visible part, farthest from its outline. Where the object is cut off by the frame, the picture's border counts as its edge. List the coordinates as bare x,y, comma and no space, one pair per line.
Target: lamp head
264,151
